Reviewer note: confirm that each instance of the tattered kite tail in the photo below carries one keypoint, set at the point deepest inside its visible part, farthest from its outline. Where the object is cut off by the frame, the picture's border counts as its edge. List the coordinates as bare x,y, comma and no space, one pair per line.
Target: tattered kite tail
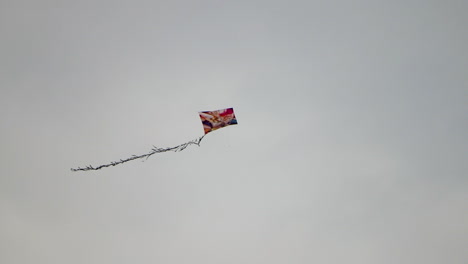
154,150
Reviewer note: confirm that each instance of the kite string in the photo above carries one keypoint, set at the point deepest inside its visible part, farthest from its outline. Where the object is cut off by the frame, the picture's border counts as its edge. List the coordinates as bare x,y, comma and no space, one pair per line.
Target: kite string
153,151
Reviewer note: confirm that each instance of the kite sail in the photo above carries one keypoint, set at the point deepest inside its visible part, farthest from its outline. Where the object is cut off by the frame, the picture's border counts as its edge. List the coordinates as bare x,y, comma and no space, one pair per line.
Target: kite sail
211,120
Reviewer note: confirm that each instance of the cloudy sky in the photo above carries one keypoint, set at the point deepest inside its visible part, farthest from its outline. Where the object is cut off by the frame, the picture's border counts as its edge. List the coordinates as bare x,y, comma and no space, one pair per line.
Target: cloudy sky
351,145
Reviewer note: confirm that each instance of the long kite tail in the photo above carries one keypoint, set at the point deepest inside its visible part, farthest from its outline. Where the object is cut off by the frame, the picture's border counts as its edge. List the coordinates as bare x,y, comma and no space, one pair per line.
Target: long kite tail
154,150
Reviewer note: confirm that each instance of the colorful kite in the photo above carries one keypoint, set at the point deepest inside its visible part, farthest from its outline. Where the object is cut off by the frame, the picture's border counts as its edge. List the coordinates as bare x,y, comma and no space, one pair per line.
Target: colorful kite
211,121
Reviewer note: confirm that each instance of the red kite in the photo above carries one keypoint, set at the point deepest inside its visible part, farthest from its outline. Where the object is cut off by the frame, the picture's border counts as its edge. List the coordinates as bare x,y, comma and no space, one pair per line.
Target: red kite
211,121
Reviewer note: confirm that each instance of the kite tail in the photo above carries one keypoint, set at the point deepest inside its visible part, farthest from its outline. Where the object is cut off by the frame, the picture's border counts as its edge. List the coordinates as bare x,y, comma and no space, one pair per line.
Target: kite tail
154,150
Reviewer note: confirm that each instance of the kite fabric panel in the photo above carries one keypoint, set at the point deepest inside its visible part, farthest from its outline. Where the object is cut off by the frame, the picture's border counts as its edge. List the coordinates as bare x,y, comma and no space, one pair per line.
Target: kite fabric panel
211,121
217,119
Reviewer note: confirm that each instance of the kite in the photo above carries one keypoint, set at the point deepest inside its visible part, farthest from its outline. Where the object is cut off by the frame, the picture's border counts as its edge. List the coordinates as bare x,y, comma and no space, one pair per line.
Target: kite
211,120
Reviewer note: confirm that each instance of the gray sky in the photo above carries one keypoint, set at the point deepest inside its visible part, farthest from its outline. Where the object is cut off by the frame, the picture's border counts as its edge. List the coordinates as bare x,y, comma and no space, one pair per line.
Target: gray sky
351,145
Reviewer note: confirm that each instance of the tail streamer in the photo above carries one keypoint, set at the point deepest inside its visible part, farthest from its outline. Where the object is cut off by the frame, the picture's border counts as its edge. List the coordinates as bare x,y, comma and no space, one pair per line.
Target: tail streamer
153,151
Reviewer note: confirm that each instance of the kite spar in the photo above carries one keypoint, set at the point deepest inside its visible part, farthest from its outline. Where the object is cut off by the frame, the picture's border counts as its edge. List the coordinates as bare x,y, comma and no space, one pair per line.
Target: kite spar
211,120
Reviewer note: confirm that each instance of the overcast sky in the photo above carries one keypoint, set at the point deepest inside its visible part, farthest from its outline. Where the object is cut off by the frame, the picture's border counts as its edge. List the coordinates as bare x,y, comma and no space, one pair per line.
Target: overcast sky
351,145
